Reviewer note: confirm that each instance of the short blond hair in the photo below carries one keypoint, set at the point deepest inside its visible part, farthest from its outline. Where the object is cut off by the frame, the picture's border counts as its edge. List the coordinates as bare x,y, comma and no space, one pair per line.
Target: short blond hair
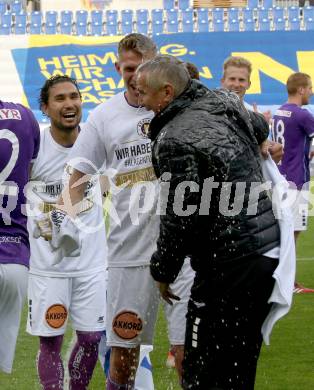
138,43
297,80
238,62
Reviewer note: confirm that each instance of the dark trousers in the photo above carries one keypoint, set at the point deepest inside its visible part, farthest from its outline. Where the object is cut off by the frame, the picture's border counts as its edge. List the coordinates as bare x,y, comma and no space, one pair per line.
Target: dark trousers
223,332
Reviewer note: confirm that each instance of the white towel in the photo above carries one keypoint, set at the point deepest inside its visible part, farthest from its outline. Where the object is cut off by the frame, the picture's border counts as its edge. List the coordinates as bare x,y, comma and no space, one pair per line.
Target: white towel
284,275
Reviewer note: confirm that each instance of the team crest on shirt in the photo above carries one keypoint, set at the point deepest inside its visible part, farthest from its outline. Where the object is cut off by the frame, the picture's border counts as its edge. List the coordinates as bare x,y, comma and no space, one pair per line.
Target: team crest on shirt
142,127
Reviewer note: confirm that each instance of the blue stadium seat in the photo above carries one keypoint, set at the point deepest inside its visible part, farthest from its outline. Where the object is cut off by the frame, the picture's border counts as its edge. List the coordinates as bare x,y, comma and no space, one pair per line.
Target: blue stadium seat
262,13
66,16
172,15
36,17
168,4
126,28
294,24
293,12
81,29
66,28
142,15
218,13
5,29
264,25
51,17
268,3
157,27
50,28
126,16
172,26
20,29
234,25
16,6
253,3
247,13
157,15
35,28
308,12
202,13
81,16
6,18
280,24
309,24
112,16
142,27
3,7
249,25
96,28
202,25
187,26
21,18
184,4
187,14
96,16
278,13
233,13
112,28
218,25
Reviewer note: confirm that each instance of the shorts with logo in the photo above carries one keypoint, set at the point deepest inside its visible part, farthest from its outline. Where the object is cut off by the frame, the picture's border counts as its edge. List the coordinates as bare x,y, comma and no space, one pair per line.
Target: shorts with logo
132,306
300,209
51,301
176,313
13,290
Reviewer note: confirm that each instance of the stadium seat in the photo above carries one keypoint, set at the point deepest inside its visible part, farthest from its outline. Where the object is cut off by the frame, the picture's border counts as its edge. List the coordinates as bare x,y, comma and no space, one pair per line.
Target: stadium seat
172,26
218,25
278,13
202,13
262,13
168,4
5,29
233,25
308,12
293,12
16,7
51,17
66,28
142,15
112,28
3,7
233,13
81,16
247,13
184,4
157,15
309,24
187,26
187,14
202,25
35,28
253,3
294,24
280,24
112,16
126,16
96,16
50,28
218,14
6,18
126,28
21,18
20,29
268,3
66,16
264,25
142,27
157,27
81,29
172,15
249,25
96,28
36,17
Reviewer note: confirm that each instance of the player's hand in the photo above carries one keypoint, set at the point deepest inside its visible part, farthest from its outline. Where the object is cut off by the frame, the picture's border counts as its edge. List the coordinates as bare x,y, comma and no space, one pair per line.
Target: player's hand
311,154
276,151
166,293
264,146
43,227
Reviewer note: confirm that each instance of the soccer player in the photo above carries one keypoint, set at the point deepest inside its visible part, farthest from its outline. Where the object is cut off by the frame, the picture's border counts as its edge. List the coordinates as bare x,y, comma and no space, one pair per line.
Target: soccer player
75,286
293,127
19,144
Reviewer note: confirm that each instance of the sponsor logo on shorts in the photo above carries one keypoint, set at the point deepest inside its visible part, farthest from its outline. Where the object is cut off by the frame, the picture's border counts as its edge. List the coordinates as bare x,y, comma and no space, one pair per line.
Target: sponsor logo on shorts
56,316
127,325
